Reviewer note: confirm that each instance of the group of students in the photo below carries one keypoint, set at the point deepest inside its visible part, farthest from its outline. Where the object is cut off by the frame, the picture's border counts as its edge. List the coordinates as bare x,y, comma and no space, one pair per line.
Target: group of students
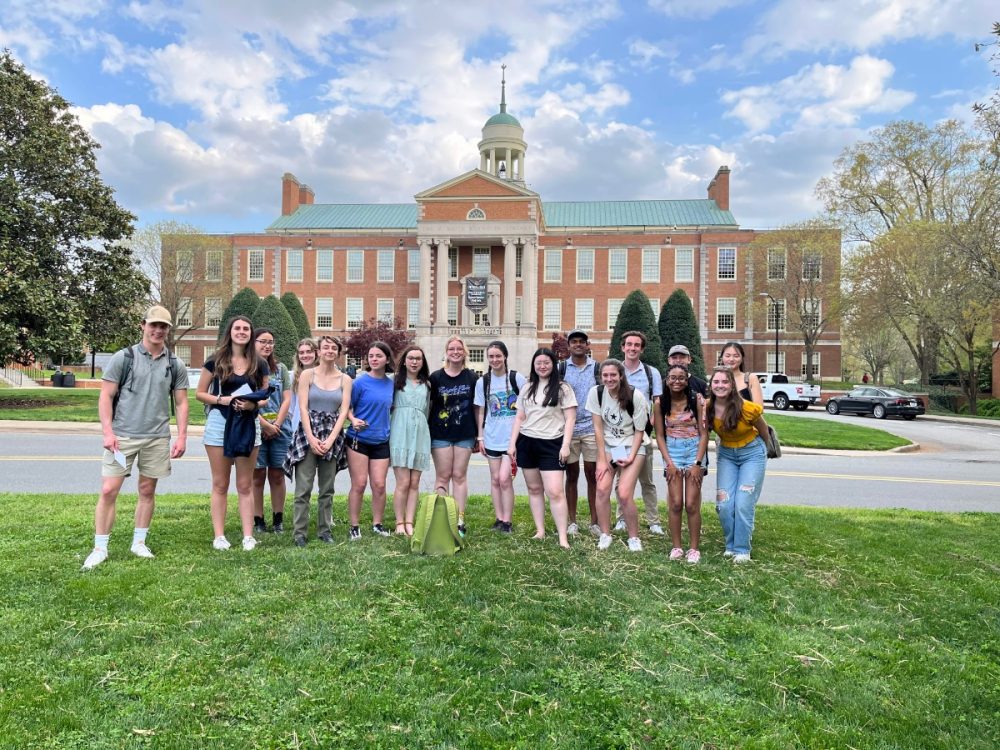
610,416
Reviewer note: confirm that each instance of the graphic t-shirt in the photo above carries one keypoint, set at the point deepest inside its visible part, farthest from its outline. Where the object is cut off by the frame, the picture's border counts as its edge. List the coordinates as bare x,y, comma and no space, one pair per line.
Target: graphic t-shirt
619,427
501,408
452,417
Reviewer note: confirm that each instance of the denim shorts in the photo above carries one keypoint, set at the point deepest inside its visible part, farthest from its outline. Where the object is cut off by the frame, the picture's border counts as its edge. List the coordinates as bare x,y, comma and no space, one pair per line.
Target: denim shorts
215,430
467,444
272,452
683,451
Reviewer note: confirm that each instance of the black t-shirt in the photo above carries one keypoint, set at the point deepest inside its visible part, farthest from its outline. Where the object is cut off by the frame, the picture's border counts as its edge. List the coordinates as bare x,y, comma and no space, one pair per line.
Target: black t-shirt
697,385
234,382
452,417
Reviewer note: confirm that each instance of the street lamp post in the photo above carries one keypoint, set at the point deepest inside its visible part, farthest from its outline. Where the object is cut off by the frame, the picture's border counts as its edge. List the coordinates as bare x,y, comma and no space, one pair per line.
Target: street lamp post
777,328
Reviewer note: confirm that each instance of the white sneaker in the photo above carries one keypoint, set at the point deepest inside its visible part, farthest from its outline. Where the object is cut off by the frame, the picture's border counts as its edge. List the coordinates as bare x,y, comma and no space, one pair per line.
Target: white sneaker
741,558
634,545
249,543
573,529
676,553
95,558
139,549
604,542
655,528
595,529
620,525
728,553
220,543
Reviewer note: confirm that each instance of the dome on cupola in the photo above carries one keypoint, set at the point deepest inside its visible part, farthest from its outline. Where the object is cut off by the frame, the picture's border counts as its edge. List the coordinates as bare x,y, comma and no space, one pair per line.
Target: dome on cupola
501,151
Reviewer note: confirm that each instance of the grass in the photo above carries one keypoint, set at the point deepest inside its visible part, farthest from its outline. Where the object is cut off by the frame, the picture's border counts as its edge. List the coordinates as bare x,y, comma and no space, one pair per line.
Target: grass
844,632
803,432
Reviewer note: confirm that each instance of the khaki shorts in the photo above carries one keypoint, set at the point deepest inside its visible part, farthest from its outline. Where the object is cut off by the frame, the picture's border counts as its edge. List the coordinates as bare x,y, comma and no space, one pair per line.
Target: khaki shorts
153,455
584,445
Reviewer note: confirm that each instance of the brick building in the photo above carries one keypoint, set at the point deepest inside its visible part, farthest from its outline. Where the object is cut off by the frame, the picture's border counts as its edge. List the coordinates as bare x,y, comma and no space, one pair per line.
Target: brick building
534,266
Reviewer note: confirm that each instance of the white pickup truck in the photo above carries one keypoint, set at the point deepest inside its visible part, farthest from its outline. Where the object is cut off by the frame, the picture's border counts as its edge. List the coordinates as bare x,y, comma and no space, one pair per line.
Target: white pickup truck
783,393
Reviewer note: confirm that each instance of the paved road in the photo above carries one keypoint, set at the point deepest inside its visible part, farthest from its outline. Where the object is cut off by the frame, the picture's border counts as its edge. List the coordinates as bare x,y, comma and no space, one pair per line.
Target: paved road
955,470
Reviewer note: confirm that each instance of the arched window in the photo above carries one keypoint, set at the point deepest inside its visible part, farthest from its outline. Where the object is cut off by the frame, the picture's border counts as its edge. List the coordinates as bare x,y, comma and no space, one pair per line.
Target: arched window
476,214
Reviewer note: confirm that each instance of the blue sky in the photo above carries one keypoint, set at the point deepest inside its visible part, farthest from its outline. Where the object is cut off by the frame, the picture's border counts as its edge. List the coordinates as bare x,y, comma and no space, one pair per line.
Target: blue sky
200,107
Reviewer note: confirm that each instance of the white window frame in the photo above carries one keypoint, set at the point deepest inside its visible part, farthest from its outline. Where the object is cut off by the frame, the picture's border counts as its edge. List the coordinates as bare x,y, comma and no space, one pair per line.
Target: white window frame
552,314
519,262
354,319
476,214
452,311
651,265
321,255
412,312
478,253
293,265
654,303
183,353
413,265
683,264
518,310
553,266
614,307
816,364
213,261
617,256
770,361
324,309
385,267
807,259
585,273
725,306
355,266
584,314
777,258
812,308
216,303
385,310
452,263
773,314
185,265
255,264
729,273
185,316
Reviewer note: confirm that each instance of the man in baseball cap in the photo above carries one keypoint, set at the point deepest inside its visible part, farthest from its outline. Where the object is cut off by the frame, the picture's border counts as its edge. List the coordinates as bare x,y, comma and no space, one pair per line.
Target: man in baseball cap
581,373
680,355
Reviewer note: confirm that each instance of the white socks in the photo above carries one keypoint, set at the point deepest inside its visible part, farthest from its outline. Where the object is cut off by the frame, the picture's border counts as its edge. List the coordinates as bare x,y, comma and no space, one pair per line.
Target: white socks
101,541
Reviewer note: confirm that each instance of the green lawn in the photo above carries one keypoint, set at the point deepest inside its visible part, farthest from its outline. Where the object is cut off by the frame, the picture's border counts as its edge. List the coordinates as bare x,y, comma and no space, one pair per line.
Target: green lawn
803,432
851,629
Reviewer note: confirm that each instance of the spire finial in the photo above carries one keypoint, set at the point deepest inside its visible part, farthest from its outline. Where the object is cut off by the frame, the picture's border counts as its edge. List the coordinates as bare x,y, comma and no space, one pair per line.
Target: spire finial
503,87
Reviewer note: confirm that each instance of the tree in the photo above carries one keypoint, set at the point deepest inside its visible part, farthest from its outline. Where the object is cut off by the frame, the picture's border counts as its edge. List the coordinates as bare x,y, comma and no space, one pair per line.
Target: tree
560,345
270,313
395,334
291,302
243,303
636,314
58,220
799,266
186,267
678,325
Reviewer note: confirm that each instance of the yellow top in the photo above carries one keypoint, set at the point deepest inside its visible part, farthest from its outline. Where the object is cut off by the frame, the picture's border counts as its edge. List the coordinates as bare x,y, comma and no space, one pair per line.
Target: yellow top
745,432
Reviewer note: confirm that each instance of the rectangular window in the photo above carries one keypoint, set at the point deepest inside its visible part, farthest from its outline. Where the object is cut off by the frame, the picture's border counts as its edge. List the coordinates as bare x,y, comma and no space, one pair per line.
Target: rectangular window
552,314
453,311
812,267
776,315
770,362
617,265
477,356
293,265
453,263
184,312
355,266
553,266
207,351
480,261
585,314
324,312
213,312
386,266
614,305
324,265
654,303
651,265
183,353
185,265
812,313
684,264
255,265
355,312
777,260
481,318
412,312
413,265
213,266
385,310
727,264
725,314
584,266
518,310
519,261
815,365
356,362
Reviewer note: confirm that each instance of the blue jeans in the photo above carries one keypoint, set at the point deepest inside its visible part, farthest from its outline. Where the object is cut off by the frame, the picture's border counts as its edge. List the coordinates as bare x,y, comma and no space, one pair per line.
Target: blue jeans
739,476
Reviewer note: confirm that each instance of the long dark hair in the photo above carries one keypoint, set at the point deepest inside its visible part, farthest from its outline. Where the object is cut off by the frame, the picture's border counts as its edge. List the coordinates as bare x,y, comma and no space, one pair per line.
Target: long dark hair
668,395
738,347
555,379
734,406
272,363
399,381
625,389
384,348
223,357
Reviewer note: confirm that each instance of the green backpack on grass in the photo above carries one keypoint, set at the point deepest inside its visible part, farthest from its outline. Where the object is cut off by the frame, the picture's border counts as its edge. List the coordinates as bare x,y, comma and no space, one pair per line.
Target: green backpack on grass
435,529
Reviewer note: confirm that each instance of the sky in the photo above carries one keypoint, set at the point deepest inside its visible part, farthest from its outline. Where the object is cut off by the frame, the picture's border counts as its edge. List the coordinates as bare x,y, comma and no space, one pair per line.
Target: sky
200,107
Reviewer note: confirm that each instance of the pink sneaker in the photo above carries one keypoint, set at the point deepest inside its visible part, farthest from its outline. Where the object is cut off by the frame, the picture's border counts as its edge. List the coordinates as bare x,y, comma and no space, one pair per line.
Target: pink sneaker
693,556
676,553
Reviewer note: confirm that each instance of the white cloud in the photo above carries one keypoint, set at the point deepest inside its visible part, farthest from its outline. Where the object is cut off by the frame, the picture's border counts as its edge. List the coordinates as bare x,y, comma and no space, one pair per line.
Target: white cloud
820,95
693,8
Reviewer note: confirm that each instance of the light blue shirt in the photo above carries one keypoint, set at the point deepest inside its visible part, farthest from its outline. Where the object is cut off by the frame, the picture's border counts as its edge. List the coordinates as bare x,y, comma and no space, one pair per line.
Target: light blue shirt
581,380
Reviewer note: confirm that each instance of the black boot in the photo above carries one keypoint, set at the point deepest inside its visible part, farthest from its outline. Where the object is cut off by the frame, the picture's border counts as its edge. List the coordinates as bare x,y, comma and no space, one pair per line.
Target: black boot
259,527
278,522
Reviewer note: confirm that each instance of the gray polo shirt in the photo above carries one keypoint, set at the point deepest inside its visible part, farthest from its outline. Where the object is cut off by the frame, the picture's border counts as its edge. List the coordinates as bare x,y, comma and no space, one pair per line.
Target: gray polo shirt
144,404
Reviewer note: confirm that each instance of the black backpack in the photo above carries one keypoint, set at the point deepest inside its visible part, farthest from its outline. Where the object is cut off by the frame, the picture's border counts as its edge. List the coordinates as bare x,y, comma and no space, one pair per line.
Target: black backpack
511,379
629,408
127,371
597,372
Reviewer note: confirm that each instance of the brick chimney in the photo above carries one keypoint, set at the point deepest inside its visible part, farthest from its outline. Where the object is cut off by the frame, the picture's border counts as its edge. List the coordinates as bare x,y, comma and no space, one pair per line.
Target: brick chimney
291,193
306,195
718,188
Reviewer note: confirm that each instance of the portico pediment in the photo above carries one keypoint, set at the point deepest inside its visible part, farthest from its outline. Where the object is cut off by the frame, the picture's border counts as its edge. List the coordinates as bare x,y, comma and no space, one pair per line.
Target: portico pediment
475,184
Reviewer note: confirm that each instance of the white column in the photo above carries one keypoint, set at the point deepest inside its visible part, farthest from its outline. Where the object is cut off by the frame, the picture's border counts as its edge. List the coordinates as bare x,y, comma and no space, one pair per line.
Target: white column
509,281
441,283
510,167
493,161
424,318
520,165
530,271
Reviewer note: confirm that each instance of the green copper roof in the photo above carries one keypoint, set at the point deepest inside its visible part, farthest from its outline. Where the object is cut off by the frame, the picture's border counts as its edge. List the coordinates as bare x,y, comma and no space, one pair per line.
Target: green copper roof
349,216
502,118
679,213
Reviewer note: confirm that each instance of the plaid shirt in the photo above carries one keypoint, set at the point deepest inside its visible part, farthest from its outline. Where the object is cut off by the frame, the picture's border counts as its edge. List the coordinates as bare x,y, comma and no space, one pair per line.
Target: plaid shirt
322,425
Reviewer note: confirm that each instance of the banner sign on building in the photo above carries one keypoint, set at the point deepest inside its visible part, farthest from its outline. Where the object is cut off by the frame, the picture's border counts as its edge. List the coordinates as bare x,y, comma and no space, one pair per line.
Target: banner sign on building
476,293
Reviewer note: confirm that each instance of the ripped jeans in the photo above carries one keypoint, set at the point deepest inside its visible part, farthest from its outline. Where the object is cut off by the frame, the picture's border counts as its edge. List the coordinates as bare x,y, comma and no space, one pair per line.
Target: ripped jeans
739,476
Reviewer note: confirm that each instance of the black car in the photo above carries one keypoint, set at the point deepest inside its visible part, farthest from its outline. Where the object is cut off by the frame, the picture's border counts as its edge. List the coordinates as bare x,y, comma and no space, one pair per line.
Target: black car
879,402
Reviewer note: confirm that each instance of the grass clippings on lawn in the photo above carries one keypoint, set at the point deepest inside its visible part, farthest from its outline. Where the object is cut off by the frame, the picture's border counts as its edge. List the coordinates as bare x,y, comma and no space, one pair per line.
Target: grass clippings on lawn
866,629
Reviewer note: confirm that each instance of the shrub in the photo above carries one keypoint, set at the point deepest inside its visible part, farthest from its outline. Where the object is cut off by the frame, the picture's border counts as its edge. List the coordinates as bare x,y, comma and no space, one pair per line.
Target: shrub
302,328
678,325
636,314
270,313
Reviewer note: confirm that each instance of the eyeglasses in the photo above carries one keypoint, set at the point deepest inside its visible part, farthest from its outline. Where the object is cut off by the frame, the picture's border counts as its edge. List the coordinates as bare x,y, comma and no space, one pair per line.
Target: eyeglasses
262,342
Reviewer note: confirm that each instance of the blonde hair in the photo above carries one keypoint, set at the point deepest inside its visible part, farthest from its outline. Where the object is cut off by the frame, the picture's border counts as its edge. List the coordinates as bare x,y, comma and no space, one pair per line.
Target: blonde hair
299,367
465,349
